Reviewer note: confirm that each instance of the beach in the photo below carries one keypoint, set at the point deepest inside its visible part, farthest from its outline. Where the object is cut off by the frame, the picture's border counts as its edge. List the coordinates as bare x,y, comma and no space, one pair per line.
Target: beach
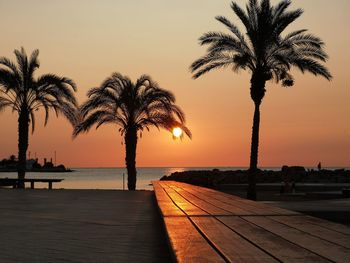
80,226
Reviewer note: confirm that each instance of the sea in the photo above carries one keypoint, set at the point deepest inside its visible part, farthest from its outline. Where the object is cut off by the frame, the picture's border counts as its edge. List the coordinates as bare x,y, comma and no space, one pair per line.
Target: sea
112,178
107,178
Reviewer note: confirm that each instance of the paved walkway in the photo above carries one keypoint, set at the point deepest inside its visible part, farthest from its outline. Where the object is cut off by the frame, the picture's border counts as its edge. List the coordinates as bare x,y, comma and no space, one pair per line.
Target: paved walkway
80,226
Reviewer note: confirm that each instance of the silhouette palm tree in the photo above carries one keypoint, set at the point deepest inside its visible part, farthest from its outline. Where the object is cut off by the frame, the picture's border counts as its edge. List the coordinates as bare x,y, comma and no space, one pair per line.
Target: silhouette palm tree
133,107
24,94
265,52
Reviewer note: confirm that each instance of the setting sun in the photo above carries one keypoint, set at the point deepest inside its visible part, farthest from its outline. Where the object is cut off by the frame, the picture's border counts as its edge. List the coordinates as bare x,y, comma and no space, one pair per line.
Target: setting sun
177,132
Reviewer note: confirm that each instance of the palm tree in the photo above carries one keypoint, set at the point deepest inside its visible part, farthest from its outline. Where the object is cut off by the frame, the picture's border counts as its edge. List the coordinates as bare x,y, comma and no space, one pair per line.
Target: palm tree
24,94
133,107
265,52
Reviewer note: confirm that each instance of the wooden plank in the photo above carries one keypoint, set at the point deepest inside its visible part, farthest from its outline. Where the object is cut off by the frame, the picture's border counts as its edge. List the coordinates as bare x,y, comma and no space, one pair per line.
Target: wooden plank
234,210
160,193
319,246
168,209
327,224
165,204
270,208
202,204
182,203
272,244
251,206
235,201
232,246
301,224
195,186
257,208
187,243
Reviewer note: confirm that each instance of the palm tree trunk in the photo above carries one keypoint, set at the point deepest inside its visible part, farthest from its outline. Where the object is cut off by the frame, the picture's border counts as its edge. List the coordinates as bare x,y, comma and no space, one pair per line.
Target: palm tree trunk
130,157
23,131
253,167
257,93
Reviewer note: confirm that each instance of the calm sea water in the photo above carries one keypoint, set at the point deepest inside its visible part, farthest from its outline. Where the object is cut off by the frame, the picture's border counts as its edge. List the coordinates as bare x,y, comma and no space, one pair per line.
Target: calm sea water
106,178
111,178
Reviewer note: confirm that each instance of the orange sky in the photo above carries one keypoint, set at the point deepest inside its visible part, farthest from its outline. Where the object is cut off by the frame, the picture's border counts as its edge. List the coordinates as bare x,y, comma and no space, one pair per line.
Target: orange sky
87,40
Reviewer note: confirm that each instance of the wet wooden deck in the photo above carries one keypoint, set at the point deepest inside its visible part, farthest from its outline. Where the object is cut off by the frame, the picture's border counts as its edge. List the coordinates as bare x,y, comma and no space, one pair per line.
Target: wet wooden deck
206,225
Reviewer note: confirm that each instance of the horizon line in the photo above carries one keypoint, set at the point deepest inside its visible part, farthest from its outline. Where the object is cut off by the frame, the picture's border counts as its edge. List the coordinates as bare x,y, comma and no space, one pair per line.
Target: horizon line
261,167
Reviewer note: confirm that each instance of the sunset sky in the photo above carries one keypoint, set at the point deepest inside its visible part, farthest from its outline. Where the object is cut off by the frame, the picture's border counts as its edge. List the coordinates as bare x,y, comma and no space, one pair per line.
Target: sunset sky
88,40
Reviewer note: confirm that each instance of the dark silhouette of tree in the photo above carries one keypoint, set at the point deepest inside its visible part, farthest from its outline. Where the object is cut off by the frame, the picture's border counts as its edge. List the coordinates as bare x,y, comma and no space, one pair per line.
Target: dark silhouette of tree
133,107
265,52
24,94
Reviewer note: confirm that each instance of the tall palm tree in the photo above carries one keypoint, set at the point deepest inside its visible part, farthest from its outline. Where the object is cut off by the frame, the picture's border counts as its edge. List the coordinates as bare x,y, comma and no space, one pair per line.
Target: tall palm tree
133,107
265,52
25,94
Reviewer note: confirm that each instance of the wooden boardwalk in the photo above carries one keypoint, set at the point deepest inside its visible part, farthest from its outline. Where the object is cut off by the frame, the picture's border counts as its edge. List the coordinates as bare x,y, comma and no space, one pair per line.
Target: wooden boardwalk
204,225
85,226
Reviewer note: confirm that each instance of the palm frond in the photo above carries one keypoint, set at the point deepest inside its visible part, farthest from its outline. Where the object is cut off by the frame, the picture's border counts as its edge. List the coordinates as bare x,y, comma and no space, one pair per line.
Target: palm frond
310,65
233,28
279,9
304,40
4,103
22,61
212,65
10,65
89,122
295,33
33,62
285,20
32,120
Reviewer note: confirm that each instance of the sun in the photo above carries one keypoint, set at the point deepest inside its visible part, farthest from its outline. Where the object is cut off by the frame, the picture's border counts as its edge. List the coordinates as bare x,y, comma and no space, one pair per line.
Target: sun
177,132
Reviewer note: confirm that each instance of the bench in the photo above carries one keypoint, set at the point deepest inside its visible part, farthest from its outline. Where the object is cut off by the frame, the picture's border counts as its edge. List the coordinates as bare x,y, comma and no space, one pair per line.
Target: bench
15,182
204,225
